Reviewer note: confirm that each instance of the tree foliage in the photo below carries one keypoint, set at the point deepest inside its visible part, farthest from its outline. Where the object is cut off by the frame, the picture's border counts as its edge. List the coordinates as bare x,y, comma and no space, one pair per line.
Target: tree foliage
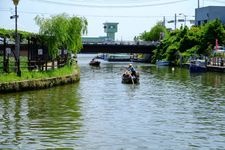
11,34
62,32
211,31
185,42
156,33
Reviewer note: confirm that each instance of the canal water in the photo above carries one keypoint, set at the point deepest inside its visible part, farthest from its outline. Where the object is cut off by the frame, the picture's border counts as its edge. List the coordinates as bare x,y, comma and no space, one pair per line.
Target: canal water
170,109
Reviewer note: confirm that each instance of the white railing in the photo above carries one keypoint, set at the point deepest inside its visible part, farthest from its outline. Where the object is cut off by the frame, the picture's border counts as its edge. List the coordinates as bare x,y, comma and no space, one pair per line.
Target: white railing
123,42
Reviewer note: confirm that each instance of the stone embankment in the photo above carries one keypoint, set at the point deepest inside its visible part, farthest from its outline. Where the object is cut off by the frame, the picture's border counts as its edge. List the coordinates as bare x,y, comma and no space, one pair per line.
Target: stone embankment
38,83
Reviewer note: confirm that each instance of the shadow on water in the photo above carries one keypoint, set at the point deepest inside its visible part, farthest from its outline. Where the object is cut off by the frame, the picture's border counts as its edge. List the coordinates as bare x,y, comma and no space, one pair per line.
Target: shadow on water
169,109
41,118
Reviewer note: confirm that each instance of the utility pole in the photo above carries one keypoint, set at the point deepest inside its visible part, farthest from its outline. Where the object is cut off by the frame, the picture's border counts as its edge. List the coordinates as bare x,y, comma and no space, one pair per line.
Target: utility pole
164,21
185,18
198,3
175,21
17,44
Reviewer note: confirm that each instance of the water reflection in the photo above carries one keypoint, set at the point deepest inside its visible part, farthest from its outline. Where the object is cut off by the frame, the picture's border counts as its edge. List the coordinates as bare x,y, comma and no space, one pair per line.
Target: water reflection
41,118
169,109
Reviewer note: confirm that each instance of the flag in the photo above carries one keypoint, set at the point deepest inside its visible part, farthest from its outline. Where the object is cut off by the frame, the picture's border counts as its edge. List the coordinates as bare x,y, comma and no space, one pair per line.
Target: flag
216,44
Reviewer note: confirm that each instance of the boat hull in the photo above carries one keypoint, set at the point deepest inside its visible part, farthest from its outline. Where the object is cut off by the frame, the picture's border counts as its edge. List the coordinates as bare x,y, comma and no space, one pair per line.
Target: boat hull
197,69
94,63
128,79
197,66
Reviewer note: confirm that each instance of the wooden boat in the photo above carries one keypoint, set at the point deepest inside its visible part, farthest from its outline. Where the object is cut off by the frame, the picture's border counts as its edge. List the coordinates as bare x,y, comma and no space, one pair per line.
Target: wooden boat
94,63
198,65
128,79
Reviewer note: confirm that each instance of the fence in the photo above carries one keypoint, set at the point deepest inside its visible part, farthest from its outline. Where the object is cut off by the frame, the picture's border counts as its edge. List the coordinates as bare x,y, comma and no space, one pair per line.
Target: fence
33,55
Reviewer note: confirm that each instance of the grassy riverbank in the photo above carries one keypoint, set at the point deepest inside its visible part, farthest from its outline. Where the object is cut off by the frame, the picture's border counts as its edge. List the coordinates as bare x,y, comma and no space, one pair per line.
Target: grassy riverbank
39,80
32,75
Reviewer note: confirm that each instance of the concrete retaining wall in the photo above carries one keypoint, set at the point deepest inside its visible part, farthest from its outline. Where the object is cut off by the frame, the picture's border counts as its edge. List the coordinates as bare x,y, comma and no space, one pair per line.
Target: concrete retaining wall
38,83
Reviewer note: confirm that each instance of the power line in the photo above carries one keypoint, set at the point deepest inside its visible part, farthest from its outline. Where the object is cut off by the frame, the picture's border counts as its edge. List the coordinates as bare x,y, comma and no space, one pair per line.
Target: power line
217,1
87,15
112,5
5,10
26,12
93,16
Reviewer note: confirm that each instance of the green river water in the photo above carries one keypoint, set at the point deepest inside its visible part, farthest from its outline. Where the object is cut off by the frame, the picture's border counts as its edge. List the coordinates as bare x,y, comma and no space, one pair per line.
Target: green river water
169,109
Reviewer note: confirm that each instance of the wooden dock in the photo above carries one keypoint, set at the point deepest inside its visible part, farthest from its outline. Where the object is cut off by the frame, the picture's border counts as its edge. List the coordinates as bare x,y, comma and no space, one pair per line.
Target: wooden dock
211,68
214,68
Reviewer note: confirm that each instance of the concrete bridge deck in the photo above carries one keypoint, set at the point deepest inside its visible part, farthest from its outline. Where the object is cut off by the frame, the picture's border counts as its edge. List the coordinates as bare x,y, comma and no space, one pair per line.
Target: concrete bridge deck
119,47
107,47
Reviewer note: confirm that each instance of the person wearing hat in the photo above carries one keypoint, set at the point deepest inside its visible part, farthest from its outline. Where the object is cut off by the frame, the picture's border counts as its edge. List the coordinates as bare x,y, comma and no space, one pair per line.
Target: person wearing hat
132,70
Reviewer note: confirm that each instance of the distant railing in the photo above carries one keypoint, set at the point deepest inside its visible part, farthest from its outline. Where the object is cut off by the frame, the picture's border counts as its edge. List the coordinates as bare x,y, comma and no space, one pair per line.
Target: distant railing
123,42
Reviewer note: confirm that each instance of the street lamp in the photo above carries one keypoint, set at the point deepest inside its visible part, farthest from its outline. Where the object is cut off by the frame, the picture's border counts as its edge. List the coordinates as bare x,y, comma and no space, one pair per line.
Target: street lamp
17,45
185,18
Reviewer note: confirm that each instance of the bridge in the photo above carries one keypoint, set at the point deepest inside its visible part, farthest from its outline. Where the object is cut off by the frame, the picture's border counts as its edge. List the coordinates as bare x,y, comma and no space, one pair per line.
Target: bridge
107,44
119,47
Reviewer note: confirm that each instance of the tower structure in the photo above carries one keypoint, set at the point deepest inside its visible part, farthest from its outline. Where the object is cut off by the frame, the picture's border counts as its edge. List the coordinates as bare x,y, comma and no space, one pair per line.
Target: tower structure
110,28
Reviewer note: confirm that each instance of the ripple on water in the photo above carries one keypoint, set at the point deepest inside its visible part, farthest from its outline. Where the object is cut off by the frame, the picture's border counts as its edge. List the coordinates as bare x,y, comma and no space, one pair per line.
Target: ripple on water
167,110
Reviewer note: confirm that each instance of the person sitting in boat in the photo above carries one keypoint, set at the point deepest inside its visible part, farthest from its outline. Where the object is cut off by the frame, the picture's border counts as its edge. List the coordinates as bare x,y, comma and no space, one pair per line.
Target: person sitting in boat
132,70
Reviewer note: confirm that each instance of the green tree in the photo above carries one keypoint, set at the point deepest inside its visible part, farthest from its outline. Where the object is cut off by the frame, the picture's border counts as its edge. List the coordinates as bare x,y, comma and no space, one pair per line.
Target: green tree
155,34
189,43
169,47
185,42
62,31
210,32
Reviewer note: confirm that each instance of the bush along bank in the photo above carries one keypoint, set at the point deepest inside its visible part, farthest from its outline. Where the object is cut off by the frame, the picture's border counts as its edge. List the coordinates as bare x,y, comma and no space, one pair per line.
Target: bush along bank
42,83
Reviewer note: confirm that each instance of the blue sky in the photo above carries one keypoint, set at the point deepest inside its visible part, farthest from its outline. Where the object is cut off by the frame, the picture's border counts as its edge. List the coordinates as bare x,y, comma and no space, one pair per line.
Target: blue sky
133,16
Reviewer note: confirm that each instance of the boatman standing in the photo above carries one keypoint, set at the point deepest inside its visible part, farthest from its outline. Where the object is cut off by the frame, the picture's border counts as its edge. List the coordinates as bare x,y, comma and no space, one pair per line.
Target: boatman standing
132,70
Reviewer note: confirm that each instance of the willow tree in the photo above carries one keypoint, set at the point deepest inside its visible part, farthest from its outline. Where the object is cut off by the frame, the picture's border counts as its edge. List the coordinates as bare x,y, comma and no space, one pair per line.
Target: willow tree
62,31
